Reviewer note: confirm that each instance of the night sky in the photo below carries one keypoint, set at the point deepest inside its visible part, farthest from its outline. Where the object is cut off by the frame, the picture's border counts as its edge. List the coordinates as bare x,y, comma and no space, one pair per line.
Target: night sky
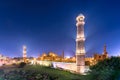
49,25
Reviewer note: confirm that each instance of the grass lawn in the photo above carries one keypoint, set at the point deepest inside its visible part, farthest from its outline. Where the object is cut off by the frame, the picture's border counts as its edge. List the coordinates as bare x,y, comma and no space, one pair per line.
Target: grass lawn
37,72
108,69
59,74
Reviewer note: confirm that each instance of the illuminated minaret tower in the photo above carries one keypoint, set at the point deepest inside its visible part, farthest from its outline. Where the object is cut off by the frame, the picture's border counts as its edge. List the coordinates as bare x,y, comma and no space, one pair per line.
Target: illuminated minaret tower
80,49
105,53
24,53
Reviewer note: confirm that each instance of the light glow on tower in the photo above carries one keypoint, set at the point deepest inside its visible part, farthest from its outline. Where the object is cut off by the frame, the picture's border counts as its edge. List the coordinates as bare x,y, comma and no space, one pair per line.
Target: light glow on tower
80,39
24,53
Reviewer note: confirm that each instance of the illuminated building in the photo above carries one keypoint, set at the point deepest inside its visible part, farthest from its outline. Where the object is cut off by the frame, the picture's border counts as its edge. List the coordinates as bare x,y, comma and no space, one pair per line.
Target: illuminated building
96,57
89,61
99,57
4,60
51,56
80,49
24,53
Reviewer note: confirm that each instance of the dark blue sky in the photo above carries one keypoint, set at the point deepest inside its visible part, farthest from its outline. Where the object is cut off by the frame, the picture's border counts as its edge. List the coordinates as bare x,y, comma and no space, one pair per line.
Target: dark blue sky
49,25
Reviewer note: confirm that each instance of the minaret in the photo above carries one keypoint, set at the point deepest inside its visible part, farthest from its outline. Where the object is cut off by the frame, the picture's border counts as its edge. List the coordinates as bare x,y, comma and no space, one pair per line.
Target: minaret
63,54
104,49
24,53
105,53
80,49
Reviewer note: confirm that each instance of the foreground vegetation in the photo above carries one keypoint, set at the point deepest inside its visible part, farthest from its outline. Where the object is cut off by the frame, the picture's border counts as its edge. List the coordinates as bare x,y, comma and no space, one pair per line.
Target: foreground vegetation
109,69
38,72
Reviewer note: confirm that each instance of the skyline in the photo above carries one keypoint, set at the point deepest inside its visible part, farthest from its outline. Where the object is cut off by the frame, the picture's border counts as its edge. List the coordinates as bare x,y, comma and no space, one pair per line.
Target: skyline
45,26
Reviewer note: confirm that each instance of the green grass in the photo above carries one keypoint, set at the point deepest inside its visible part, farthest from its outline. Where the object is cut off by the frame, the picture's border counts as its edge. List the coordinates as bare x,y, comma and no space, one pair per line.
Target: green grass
59,74
37,72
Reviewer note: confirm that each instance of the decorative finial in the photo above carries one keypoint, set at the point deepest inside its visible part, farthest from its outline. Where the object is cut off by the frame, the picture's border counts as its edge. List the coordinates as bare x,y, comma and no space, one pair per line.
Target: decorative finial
80,17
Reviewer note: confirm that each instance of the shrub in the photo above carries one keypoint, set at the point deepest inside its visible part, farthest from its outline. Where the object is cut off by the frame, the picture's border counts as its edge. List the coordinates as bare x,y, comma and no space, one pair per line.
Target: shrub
22,64
107,69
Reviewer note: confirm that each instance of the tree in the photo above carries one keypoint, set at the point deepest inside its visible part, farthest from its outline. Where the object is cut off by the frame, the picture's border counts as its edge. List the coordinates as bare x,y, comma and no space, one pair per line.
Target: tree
108,69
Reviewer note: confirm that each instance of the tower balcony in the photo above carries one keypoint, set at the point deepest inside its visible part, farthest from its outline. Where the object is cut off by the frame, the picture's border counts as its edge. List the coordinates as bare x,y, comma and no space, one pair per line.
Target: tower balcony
80,39
24,51
80,35
82,51
80,23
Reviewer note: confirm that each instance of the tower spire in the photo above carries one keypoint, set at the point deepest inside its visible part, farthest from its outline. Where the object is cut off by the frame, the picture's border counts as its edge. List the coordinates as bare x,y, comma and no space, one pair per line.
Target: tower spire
63,54
105,49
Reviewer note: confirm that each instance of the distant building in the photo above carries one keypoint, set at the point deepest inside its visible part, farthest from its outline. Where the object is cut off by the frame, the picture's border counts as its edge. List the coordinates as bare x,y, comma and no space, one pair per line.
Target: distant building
4,60
51,56
103,56
97,57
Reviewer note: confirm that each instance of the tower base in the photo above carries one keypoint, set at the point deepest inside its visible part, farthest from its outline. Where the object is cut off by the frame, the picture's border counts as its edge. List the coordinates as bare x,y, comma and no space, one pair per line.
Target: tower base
80,69
80,63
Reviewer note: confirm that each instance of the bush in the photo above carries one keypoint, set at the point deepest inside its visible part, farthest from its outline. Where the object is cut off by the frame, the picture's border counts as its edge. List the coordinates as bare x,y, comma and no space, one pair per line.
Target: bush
22,64
1,73
108,69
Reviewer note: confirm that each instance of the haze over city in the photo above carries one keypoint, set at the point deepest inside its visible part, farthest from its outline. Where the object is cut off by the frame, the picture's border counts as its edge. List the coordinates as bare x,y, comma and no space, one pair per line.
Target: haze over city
45,26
